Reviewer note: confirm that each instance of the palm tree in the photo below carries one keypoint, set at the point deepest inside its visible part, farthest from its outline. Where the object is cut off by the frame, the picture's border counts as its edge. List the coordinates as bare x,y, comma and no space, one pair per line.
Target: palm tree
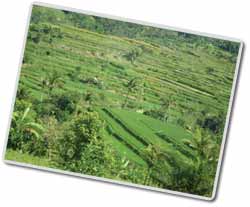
133,54
202,143
207,157
157,160
132,86
166,104
151,155
52,81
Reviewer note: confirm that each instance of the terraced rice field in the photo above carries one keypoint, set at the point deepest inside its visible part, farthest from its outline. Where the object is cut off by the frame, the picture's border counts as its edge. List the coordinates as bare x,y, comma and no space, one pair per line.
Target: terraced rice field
137,131
164,70
148,91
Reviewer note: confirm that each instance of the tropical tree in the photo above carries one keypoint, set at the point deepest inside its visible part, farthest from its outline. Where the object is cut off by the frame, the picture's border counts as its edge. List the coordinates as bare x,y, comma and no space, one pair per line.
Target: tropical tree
55,80
51,82
133,54
207,158
132,86
24,130
166,105
81,131
158,164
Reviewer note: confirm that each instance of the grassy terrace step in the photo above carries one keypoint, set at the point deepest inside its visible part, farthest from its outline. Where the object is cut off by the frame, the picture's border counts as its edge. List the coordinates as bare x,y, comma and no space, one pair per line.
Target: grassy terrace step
175,147
123,147
132,121
129,130
120,130
178,146
149,135
126,143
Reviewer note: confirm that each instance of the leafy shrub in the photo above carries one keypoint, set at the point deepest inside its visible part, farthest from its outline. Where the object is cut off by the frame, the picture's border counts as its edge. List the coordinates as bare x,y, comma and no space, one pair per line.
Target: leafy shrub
133,54
65,102
26,134
212,122
51,134
36,146
59,105
75,137
43,31
43,14
155,113
45,108
21,105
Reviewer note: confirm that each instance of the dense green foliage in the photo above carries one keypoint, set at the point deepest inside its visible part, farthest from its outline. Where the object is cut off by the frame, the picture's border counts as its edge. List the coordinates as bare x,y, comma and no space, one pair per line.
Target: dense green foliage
122,101
126,29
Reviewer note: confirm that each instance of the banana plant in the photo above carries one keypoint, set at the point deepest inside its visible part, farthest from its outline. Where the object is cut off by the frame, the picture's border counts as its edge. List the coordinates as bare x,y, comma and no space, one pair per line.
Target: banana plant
22,129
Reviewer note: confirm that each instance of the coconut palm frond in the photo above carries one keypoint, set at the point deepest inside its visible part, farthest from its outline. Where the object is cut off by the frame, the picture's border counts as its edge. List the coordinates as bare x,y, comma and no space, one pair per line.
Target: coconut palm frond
25,113
34,126
34,132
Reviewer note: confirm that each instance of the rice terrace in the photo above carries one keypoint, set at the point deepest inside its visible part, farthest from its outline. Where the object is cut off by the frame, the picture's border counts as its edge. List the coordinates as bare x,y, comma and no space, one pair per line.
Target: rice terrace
122,101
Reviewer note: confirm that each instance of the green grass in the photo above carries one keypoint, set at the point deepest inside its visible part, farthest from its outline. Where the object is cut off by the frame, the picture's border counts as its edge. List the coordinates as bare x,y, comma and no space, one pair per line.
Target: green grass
122,149
26,158
136,131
